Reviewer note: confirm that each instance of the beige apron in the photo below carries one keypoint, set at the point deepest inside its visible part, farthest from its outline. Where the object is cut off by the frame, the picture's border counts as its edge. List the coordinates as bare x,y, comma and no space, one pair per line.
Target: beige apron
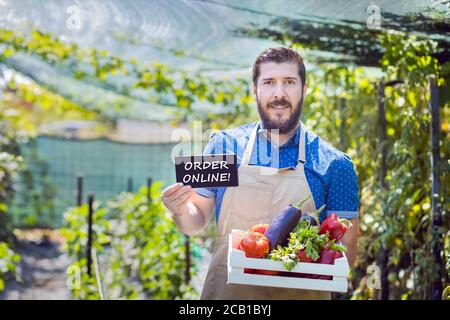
263,192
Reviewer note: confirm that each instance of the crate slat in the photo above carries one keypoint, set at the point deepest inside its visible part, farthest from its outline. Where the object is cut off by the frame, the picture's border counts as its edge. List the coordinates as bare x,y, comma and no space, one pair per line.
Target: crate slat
237,261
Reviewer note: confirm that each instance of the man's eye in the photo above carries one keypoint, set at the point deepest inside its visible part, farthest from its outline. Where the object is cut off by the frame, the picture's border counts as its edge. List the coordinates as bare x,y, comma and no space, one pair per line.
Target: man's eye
291,82
268,82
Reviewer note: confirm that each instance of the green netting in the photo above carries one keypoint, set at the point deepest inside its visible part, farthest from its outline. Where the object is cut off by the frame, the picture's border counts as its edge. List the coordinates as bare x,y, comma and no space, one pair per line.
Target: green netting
54,163
218,36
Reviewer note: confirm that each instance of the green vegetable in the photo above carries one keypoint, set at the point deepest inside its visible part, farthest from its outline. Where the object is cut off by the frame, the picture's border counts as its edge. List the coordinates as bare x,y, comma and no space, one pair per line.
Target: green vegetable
307,237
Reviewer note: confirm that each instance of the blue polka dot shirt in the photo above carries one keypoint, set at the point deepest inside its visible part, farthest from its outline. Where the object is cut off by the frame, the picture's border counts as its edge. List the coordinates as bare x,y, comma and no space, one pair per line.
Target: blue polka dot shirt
330,173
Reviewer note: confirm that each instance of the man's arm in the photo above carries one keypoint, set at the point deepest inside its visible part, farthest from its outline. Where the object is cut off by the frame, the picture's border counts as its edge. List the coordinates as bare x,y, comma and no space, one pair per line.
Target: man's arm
343,200
350,241
190,211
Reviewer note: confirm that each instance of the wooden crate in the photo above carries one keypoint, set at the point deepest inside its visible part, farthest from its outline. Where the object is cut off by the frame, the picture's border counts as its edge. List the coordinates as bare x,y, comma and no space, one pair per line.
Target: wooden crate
237,261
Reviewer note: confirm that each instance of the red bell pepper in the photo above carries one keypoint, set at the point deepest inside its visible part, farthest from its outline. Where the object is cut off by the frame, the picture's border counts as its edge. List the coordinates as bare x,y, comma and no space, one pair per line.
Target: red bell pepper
328,256
335,227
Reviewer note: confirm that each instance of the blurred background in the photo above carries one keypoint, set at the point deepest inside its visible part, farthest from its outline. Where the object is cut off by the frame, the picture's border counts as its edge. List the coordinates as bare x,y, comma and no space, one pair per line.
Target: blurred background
92,94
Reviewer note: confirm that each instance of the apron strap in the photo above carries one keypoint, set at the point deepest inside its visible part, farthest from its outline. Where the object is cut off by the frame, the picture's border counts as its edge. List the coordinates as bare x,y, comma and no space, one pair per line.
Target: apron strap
302,144
249,148
251,142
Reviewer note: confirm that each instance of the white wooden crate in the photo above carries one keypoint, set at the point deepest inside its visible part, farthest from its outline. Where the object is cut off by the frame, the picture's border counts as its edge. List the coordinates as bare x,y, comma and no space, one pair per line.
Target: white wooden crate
237,261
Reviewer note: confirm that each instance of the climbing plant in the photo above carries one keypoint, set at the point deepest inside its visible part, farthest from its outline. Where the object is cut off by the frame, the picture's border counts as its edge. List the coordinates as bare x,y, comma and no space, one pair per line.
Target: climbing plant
342,108
154,80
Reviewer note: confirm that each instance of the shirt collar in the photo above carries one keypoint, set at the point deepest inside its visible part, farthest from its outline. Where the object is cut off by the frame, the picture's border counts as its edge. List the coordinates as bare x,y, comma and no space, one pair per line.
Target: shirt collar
293,140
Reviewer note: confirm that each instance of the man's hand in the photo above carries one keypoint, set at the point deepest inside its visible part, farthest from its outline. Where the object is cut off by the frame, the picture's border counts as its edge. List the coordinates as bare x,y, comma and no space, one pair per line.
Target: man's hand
175,198
191,212
350,241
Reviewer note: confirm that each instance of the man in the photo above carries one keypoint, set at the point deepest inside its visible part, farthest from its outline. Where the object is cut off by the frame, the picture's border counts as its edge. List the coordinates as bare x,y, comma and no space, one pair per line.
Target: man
280,162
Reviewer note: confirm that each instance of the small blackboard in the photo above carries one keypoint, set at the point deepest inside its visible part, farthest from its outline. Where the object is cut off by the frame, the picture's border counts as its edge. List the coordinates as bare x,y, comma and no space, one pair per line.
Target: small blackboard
212,170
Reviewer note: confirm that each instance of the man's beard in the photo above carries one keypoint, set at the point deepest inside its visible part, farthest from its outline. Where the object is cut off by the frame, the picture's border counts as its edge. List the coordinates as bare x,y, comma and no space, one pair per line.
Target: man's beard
283,126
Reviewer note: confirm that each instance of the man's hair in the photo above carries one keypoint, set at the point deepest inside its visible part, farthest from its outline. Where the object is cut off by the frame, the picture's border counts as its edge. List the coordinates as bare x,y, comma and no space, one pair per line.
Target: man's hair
279,55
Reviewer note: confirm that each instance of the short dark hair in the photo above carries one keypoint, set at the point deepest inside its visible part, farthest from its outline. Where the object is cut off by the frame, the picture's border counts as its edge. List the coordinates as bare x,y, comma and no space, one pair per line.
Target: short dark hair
279,55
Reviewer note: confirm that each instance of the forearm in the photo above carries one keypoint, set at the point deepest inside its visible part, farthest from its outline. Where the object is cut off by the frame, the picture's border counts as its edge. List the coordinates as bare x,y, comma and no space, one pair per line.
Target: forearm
350,241
192,221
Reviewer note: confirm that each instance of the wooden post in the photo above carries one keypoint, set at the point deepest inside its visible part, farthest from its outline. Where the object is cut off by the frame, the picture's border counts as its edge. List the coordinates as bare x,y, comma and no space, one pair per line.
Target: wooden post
383,259
149,189
436,212
89,242
79,190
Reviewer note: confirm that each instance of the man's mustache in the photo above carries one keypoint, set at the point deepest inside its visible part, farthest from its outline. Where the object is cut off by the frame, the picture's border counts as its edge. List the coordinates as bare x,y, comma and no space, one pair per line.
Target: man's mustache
282,102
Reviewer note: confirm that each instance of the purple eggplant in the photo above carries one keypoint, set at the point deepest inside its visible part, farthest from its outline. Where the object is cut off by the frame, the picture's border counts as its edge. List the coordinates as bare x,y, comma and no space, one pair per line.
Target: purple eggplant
283,224
309,219
312,218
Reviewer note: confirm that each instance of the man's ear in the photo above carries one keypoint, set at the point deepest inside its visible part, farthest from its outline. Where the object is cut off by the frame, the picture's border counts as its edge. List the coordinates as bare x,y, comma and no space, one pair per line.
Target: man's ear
254,91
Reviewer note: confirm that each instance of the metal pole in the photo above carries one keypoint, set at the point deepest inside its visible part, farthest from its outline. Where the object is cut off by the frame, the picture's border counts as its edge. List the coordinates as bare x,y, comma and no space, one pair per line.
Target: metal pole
382,183
436,212
79,190
89,242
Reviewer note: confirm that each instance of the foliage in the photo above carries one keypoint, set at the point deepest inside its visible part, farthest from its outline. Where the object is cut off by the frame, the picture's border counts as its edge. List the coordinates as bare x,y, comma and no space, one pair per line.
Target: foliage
168,87
30,106
10,161
25,107
141,252
399,217
8,261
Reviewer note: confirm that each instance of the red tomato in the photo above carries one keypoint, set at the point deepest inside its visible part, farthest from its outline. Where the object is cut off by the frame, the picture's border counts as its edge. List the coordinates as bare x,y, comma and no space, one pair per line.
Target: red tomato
255,245
260,227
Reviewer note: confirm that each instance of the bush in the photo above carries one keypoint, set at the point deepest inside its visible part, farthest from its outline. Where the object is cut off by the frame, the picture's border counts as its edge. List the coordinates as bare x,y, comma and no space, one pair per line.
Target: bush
10,161
141,252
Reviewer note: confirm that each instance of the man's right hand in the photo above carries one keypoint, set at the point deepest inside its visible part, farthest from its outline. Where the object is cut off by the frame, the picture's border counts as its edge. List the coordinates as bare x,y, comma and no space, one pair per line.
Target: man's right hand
175,198
191,211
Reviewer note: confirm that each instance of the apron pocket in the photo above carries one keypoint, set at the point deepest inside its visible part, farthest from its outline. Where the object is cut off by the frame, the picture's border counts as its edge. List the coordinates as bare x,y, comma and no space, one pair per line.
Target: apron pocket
252,205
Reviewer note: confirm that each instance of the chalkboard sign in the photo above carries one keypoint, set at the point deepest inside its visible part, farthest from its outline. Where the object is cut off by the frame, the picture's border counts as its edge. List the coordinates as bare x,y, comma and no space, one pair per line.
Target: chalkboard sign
212,170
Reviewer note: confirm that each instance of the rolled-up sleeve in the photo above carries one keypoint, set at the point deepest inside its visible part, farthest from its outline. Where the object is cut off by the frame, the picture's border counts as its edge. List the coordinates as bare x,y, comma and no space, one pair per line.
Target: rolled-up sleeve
342,195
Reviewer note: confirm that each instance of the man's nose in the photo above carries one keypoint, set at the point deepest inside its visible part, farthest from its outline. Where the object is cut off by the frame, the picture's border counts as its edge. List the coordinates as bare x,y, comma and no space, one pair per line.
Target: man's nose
279,91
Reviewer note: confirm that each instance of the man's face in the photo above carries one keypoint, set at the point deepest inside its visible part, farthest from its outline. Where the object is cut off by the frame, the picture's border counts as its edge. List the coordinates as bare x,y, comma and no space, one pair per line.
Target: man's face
279,94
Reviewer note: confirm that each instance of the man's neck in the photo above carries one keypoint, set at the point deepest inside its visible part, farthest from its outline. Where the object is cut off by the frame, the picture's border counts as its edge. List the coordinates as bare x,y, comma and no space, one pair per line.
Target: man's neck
280,139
